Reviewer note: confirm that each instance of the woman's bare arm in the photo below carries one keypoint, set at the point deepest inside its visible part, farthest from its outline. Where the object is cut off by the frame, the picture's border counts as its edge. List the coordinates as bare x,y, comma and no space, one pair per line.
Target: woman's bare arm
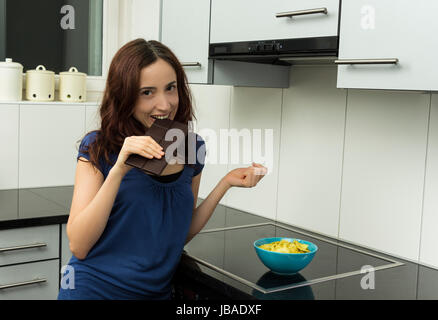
93,199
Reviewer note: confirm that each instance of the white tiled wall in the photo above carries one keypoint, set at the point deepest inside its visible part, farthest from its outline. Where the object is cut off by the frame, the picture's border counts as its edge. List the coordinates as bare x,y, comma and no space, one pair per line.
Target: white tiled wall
138,19
39,142
312,136
248,108
352,163
383,173
429,234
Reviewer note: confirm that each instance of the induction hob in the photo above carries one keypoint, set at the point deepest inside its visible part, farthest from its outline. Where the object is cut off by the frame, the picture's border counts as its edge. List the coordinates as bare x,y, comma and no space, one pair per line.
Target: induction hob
230,252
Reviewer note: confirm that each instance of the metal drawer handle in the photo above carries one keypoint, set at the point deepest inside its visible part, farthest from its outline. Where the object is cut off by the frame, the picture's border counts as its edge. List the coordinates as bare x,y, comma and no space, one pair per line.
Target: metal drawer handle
292,14
367,61
28,246
22,284
191,64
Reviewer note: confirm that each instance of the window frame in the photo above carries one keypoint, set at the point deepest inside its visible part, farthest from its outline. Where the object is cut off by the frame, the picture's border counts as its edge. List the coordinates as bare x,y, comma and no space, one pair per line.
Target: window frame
110,43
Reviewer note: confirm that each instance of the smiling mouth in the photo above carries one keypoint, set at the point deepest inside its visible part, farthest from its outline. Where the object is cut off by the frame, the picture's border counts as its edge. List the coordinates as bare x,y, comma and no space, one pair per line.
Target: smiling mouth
160,117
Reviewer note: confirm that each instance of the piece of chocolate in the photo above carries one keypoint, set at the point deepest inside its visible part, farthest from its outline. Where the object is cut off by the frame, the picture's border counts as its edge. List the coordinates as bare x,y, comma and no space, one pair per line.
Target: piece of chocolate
158,132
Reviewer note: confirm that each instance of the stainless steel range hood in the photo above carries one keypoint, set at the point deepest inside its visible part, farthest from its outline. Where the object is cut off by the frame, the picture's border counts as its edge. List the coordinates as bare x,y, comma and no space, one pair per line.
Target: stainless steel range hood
278,52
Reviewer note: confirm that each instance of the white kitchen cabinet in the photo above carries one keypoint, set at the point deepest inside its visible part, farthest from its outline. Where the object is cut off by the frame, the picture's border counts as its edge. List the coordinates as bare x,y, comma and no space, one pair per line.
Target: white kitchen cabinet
185,29
9,114
383,170
92,118
23,274
212,106
251,20
48,135
387,29
312,140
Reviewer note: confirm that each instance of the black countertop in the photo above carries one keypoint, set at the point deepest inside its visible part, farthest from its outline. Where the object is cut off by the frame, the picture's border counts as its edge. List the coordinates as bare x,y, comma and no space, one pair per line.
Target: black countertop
21,208
44,206
233,251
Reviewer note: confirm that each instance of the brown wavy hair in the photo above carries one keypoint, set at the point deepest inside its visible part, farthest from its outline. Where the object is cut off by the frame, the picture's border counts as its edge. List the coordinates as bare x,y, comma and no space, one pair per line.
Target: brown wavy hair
121,94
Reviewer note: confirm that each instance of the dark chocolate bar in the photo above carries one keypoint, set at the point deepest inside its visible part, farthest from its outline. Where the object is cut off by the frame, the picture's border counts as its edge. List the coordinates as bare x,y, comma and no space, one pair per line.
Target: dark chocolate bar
158,132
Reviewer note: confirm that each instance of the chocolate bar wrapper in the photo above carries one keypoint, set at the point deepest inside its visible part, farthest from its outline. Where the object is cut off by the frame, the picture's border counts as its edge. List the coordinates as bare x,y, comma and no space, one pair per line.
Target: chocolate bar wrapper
158,132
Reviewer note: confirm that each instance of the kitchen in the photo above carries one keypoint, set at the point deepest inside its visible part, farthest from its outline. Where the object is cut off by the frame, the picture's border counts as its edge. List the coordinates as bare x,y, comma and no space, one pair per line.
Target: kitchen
354,143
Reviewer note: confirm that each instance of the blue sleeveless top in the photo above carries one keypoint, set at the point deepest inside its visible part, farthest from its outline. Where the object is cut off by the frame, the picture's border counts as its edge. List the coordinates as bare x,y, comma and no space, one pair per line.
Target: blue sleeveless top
140,248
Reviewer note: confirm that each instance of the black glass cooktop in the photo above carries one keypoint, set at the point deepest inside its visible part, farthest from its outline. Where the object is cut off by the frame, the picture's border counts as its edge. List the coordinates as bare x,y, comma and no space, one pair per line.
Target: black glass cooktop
230,252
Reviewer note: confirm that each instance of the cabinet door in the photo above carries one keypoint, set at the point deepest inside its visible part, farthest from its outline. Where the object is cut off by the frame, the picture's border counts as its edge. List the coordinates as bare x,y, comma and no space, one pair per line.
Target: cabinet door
386,29
185,30
48,135
9,146
261,145
65,247
92,118
251,20
213,114
312,139
15,281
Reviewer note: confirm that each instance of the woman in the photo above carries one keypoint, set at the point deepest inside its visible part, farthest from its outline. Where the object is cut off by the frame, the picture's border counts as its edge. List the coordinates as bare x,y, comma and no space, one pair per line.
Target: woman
127,229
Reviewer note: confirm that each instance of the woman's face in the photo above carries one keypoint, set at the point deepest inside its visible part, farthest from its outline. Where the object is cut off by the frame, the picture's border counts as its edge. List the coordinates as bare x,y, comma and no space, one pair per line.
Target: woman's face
158,93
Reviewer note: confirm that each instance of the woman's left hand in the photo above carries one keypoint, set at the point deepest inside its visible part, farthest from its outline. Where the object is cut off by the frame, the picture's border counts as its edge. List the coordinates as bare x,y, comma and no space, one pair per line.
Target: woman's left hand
245,177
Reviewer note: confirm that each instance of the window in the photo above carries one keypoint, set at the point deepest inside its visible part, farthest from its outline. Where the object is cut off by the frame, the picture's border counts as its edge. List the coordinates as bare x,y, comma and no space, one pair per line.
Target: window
58,34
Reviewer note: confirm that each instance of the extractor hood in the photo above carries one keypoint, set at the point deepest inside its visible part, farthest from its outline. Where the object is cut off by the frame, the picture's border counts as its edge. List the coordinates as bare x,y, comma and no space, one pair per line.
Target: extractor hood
278,52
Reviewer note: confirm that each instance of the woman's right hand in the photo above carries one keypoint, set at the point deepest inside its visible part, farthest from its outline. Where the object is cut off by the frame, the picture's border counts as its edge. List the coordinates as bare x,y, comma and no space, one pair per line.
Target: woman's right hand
144,146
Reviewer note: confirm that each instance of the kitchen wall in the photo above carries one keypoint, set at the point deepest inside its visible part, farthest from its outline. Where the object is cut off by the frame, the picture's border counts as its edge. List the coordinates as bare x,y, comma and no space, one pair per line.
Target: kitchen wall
357,165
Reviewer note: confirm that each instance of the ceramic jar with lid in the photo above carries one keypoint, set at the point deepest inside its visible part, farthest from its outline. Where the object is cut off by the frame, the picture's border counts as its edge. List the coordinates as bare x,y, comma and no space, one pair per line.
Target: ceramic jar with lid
72,86
11,80
40,84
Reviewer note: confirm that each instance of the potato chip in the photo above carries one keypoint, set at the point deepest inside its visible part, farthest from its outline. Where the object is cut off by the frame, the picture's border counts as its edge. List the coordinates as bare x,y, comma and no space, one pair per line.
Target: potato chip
285,246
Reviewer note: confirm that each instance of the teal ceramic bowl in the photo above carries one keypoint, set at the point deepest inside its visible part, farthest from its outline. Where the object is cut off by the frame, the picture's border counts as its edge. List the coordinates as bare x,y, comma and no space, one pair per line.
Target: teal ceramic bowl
284,263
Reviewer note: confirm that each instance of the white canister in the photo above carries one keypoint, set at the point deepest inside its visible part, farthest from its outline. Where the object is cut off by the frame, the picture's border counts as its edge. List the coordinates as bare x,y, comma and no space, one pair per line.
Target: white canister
40,84
11,80
72,86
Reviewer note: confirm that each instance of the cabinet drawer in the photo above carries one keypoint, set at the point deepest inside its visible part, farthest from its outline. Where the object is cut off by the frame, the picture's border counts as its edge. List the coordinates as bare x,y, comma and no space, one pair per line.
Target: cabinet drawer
29,244
251,20
66,254
14,281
